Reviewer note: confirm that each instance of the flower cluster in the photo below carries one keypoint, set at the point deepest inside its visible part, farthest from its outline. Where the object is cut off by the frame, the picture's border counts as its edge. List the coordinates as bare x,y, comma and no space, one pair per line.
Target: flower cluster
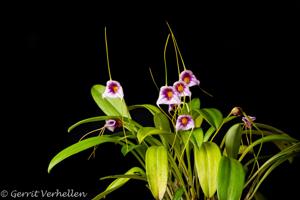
169,95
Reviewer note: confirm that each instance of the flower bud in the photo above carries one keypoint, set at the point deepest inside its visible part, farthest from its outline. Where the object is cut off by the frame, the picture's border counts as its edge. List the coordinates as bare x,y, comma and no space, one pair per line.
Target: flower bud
236,111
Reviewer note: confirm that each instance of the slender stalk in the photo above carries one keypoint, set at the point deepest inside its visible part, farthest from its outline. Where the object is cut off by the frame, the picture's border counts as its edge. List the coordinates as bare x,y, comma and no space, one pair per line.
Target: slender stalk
165,60
190,172
178,175
107,58
176,45
152,77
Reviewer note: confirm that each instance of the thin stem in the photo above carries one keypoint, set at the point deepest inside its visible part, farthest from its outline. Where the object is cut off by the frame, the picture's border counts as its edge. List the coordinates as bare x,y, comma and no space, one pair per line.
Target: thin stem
107,58
90,132
176,45
178,175
165,60
152,77
190,172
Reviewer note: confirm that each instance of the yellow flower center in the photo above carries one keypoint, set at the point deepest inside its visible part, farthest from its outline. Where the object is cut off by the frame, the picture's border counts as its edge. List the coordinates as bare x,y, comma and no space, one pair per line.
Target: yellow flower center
180,88
184,121
186,79
115,88
169,94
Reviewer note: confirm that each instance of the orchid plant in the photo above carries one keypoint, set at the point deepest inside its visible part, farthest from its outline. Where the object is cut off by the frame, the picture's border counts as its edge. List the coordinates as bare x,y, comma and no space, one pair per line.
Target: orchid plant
191,152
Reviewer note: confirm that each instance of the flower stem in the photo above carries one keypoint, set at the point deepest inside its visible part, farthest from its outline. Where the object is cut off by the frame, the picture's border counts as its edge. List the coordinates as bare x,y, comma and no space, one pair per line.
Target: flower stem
107,59
165,60
152,77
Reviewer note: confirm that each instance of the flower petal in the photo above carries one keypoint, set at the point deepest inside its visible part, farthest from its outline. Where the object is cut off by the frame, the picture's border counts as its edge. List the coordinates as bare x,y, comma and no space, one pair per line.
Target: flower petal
248,121
182,89
110,124
184,122
113,90
189,78
167,95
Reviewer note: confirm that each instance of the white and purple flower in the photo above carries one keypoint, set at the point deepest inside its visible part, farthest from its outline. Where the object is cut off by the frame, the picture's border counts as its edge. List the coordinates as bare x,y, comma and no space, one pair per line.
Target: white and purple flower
168,95
182,89
248,121
184,122
112,124
189,78
113,90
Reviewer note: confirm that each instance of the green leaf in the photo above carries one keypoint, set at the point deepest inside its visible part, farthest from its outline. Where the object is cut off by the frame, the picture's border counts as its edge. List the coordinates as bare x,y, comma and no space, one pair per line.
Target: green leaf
207,160
178,194
135,177
233,140
161,122
157,170
268,138
151,108
198,121
119,182
195,104
81,146
146,131
208,133
129,147
110,106
197,137
88,120
212,115
231,179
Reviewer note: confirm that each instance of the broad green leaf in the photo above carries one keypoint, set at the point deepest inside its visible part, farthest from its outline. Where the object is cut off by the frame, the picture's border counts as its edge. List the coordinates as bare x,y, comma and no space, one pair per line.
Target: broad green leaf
151,108
119,182
110,106
231,179
157,170
198,121
147,131
207,160
197,137
233,140
161,122
178,194
195,103
212,115
81,146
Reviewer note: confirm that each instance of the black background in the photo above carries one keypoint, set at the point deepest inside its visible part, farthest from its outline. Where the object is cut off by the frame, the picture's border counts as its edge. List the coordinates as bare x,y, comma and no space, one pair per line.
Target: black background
245,55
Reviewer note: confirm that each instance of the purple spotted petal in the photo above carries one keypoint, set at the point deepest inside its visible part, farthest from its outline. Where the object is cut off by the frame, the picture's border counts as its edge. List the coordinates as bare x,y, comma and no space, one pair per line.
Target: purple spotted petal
189,78
182,89
184,122
248,121
110,124
113,90
167,95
